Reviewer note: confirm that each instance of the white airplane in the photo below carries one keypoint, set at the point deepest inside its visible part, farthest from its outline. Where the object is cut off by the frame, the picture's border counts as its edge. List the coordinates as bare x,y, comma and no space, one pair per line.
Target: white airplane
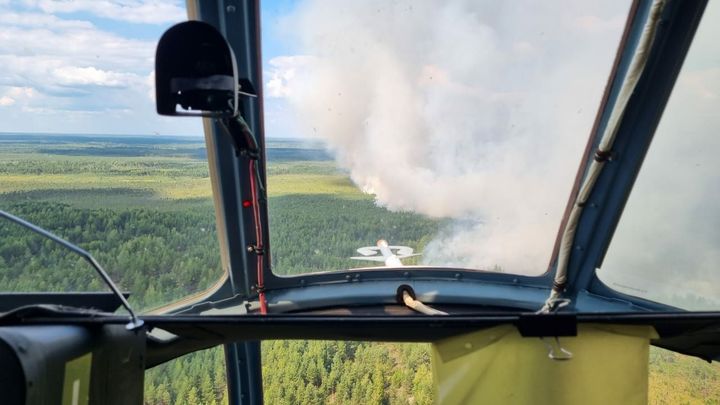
381,252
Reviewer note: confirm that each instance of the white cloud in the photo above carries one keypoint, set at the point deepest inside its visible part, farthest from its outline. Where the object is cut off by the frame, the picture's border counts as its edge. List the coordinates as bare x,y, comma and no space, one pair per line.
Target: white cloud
75,112
13,95
150,83
40,20
282,70
6,101
96,80
595,24
72,75
134,11
701,82
63,61
25,92
75,45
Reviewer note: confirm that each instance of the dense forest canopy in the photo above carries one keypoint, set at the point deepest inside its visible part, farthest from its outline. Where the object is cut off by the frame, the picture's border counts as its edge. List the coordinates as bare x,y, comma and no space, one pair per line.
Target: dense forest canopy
142,206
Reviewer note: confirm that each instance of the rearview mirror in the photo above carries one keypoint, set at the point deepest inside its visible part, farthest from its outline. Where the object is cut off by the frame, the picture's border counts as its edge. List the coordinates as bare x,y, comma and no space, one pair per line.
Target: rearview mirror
195,72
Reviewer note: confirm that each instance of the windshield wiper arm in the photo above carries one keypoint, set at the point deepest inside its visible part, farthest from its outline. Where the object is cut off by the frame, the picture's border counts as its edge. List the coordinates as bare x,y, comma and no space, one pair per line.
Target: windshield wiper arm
135,322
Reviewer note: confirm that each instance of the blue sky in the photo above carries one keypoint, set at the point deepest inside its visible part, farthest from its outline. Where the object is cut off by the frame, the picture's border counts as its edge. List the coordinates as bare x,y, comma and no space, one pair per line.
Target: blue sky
86,66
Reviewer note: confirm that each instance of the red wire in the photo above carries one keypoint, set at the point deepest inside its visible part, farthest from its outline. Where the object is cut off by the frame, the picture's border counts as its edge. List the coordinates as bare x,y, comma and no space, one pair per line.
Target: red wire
259,240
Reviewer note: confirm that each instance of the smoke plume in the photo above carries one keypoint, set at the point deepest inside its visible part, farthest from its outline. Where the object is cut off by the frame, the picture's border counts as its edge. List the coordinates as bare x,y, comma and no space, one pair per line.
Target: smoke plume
470,110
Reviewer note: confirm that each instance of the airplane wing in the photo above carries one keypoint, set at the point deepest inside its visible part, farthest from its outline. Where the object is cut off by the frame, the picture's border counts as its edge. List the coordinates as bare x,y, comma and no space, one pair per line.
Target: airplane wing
401,256
404,251
375,254
369,250
371,258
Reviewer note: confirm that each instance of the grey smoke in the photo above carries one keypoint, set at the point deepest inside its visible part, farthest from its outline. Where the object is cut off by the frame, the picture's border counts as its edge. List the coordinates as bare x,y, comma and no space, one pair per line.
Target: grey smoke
471,110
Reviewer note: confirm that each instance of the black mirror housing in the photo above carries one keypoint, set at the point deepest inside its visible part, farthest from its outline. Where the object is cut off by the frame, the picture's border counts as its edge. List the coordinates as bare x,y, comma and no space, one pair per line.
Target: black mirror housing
195,72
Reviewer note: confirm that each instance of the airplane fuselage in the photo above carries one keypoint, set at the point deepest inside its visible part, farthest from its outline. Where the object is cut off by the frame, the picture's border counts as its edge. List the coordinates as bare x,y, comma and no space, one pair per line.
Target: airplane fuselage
391,260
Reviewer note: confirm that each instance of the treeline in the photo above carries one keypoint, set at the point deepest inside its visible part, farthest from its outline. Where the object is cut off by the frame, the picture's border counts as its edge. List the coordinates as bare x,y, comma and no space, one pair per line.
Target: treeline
106,166
172,167
157,256
302,168
198,152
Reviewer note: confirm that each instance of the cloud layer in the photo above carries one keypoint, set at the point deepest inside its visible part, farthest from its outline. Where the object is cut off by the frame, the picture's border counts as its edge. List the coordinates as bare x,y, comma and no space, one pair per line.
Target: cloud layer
82,76
133,11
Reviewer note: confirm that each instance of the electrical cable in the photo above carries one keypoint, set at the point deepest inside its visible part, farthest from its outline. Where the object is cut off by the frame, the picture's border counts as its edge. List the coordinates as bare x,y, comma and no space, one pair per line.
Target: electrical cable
259,249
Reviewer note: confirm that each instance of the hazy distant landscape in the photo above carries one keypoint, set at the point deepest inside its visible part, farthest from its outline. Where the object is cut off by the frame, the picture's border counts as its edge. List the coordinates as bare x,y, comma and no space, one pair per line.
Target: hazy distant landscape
143,206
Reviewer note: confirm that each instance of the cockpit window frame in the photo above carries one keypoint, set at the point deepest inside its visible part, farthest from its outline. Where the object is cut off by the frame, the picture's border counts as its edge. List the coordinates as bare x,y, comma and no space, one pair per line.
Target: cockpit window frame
356,286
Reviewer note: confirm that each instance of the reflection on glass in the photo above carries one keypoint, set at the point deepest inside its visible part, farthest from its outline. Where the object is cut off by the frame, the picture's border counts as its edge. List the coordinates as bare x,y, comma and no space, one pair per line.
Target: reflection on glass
667,244
453,128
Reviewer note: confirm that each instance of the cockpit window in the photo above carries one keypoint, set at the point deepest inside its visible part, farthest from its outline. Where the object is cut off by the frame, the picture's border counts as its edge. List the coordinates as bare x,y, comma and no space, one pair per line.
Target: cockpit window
667,245
84,154
451,128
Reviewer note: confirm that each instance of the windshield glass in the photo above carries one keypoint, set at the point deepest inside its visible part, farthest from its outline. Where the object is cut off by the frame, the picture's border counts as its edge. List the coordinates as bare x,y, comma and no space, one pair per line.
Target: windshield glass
667,244
452,128
84,155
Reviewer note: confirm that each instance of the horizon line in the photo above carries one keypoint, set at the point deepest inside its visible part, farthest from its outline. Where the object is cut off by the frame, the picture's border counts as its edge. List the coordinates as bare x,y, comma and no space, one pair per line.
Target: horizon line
199,136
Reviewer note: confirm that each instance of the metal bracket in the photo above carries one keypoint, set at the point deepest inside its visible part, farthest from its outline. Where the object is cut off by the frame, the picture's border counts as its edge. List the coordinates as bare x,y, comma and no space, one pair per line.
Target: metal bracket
556,351
243,139
547,325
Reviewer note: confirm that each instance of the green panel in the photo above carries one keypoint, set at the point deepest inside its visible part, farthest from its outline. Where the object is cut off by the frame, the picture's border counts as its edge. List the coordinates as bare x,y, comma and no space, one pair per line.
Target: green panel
76,388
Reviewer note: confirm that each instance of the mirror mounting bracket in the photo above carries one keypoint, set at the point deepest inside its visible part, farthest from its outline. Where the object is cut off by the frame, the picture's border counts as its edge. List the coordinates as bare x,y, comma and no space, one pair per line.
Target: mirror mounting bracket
243,139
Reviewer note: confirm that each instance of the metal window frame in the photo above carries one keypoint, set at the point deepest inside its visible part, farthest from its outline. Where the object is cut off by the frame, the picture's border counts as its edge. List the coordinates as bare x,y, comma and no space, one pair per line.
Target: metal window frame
448,286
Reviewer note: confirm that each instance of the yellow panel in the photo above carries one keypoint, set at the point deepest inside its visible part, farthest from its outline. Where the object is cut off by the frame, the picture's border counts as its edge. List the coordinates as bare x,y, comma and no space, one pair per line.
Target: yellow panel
76,389
609,365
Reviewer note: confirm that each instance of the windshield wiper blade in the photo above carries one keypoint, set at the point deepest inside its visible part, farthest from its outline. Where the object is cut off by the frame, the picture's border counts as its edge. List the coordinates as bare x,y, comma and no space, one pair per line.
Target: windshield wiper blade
135,322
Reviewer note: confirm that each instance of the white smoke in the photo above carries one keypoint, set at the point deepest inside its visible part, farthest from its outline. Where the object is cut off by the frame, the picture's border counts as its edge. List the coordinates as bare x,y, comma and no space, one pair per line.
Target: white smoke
473,110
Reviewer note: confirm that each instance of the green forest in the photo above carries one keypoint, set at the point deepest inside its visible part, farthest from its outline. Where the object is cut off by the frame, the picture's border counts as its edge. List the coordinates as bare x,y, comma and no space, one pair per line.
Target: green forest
143,207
